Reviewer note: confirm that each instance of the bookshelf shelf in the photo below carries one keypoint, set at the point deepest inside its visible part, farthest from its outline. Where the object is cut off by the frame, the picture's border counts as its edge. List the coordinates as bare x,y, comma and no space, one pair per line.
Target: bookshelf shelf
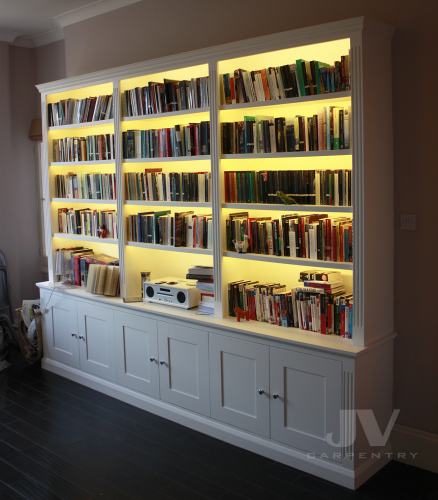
287,208
330,97
169,248
348,266
81,125
83,200
294,154
81,237
166,159
168,203
81,163
181,112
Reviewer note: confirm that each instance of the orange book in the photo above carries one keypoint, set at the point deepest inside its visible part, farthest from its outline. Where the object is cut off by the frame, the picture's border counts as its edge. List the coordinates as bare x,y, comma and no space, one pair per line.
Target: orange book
265,85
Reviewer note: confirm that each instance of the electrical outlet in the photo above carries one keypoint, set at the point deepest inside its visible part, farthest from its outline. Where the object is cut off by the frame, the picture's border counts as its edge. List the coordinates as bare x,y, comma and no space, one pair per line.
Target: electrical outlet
408,222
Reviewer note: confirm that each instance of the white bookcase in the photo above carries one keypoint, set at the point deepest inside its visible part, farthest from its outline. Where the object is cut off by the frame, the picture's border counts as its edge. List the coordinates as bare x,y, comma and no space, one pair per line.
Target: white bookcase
275,353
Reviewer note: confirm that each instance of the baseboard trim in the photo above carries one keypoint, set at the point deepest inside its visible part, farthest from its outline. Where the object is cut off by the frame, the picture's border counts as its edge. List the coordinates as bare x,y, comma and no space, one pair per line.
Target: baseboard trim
270,449
415,447
367,469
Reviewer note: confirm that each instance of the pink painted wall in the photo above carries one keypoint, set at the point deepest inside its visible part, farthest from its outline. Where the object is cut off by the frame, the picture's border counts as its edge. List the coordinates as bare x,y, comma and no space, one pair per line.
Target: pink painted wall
152,29
20,69
19,231
50,62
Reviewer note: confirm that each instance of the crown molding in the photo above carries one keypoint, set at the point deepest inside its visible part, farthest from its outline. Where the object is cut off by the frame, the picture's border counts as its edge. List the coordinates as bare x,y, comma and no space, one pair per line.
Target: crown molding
264,43
39,39
90,10
8,36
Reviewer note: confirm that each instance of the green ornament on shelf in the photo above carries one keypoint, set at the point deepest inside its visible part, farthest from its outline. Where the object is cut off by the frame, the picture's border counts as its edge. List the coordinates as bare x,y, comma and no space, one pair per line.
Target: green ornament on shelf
286,198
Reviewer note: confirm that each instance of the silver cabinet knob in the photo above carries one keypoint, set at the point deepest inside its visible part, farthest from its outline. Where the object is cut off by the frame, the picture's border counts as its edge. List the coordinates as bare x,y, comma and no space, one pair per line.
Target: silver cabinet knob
74,335
152,360
261,391
81,338
163,363
276,396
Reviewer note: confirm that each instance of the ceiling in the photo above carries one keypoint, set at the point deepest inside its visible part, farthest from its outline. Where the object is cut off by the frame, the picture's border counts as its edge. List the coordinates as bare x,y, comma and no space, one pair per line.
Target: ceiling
33,23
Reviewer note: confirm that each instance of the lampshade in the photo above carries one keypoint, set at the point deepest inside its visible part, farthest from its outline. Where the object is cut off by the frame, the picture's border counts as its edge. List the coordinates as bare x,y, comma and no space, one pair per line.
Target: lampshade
35,132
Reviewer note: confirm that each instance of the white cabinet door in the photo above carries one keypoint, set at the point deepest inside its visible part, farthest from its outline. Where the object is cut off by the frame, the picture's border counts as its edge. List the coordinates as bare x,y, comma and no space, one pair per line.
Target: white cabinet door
60,329
239,383
184,375
305,400
96,339
137,353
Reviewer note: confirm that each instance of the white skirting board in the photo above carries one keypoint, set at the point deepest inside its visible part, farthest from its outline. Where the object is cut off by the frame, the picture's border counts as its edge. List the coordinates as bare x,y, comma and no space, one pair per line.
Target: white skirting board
415,447
275,451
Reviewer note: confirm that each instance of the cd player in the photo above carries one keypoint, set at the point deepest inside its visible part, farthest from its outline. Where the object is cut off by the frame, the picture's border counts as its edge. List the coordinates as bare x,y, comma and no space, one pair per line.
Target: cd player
176,292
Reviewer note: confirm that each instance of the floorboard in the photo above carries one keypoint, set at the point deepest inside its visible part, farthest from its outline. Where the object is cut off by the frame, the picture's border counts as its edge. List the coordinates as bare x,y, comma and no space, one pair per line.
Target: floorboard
59,439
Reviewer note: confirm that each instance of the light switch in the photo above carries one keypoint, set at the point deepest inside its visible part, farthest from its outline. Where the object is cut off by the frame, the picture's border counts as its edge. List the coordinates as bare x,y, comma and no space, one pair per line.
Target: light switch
408,222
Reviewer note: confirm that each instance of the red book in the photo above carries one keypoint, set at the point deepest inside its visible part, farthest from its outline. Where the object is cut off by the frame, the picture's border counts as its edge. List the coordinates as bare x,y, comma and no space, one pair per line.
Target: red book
342,323
195,230
233,187
232,90
302,236
196,137
265,84
327,233
341,243
168,143
227,186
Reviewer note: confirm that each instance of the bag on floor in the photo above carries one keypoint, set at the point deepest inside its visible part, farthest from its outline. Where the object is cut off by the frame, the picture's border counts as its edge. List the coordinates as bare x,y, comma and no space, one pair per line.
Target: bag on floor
29,335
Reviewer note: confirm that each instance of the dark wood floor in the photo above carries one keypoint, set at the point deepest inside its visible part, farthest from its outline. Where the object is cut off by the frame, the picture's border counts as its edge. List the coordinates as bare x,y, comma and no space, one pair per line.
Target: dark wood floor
61,440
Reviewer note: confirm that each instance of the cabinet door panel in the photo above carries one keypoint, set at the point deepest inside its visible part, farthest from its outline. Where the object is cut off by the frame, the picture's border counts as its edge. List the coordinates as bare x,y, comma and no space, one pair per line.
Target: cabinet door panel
309,399
238,371
137,353
96,334
60,329
184,376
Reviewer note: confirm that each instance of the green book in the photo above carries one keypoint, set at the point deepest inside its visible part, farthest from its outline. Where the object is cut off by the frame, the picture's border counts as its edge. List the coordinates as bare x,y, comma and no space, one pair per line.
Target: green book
301,77
318,65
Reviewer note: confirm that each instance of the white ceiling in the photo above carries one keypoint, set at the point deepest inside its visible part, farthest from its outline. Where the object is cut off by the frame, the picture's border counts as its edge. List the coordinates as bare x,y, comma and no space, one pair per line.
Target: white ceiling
38,22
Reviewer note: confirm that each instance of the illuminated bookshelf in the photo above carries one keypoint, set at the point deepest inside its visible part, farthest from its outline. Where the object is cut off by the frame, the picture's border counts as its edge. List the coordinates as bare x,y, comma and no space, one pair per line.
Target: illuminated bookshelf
137,256
229,266
239,380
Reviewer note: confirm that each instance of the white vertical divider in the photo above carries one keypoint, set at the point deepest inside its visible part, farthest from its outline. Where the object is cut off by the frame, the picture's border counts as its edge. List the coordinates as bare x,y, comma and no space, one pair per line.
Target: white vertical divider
357,185
216,184
120,185
46,195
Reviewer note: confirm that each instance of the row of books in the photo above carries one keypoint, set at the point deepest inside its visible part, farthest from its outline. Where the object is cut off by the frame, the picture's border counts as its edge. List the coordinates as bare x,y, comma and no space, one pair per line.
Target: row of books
155,185
313,306
289,187
104,280
327,130
180,140
89,148
72,264
314,236
289,80
87,222
204,277
86,186
71,111
171,95
182,229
